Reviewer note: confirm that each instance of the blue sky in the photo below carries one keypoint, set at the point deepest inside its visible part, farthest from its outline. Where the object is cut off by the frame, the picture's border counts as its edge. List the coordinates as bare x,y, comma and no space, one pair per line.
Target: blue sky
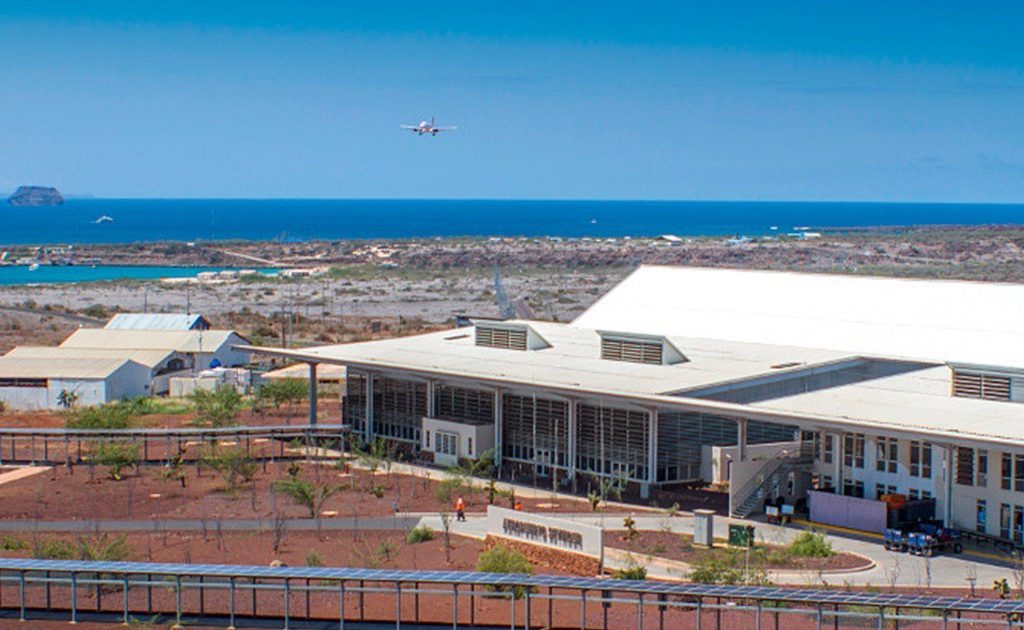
890,101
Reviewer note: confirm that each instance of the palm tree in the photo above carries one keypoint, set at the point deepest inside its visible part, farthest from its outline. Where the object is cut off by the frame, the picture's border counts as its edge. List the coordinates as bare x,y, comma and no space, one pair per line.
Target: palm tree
306,494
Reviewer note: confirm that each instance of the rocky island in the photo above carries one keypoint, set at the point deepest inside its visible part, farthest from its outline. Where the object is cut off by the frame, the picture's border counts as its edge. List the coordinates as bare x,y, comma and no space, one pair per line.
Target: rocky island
35,196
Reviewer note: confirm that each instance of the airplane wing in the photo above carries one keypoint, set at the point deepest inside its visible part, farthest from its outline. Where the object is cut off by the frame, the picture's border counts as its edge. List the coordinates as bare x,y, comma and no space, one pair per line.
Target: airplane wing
445,128
409,127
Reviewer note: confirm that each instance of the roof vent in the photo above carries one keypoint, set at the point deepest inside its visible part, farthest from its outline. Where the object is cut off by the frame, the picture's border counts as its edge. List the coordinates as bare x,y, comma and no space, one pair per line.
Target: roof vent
507,336
631,348
981,385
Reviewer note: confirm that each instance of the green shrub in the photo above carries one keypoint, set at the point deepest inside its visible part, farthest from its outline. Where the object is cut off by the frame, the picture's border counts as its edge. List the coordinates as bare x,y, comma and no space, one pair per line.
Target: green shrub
727,568
811,544
632,571
116,456
501,559
54,549
314,559
116,415
418,534
234,465
12,543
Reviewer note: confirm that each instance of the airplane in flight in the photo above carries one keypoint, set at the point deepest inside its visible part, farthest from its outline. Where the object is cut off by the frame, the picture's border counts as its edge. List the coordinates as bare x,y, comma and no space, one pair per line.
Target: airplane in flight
426,128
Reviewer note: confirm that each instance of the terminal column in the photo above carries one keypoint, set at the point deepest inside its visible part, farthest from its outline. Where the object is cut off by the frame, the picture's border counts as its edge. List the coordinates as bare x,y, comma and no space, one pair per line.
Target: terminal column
652,449
499,442
572,439
312,393
368,433
947,485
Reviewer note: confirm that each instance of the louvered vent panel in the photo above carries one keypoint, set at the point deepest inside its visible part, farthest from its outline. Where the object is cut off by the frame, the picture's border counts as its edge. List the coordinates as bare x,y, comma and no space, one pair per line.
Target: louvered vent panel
995,387
966,385
985,386
632,351
501,338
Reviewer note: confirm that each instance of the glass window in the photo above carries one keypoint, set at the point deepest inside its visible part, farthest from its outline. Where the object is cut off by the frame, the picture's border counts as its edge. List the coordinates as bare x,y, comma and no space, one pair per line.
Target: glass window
1007,475
447,443
886,454
981,470
853,450
1018,473
982,516
1018,524
830,449
921,459
1004,521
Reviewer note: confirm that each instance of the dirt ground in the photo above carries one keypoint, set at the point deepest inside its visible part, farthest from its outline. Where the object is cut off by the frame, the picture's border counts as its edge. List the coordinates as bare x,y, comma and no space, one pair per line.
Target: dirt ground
84,493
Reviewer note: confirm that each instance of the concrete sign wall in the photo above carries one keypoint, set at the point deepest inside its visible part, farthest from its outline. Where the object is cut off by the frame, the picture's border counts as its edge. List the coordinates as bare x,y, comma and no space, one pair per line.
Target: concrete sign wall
551,532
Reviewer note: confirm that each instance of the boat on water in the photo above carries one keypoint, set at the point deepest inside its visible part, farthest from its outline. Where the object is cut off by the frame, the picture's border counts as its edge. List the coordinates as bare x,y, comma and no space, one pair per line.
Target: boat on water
104,219
34,267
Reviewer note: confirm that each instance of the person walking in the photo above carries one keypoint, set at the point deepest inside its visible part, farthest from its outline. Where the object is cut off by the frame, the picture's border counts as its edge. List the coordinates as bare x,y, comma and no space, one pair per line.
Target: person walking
460,509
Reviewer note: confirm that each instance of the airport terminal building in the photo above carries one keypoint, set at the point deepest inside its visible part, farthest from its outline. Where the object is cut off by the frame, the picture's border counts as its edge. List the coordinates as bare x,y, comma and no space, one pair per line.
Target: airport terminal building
778,383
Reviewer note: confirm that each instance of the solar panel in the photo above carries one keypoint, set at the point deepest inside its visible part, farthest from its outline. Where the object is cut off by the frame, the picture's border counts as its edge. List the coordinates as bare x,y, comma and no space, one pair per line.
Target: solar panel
760,593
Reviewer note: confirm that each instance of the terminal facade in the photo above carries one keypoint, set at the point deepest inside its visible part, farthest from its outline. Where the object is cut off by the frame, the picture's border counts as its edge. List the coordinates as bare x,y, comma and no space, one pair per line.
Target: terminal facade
775,383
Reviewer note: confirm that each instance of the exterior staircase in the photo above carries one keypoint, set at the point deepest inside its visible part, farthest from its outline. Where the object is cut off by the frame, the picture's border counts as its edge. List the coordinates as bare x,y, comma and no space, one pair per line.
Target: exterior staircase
769,481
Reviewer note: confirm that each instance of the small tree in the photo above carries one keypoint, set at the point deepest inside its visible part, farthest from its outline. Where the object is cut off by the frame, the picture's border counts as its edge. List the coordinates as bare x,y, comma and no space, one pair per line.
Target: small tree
446,526
306,494
216,407
284,391
372,455
117,456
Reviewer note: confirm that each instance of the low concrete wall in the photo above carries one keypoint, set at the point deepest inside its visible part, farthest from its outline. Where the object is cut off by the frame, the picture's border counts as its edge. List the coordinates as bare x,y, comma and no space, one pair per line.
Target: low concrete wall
836,509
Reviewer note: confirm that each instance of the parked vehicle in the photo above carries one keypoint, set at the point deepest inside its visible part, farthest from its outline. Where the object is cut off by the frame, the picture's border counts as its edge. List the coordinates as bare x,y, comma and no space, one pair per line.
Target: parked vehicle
926,541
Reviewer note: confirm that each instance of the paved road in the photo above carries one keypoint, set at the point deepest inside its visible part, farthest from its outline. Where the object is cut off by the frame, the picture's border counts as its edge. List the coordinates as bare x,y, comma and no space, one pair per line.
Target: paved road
190,525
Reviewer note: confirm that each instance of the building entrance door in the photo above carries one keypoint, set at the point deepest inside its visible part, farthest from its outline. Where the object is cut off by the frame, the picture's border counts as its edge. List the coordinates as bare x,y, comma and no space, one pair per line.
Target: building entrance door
542,466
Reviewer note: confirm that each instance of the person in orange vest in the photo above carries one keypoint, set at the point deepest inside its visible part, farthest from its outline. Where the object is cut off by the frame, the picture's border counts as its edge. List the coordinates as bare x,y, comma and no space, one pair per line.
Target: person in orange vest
460,508
518,507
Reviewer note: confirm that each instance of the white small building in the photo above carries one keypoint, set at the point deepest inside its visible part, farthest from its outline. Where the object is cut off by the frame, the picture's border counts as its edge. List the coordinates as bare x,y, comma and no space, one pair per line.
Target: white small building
451,440
203,348
38,383
162,364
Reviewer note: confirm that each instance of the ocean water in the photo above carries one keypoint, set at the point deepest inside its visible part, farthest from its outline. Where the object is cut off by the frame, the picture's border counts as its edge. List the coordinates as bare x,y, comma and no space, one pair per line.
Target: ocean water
46,274
191,219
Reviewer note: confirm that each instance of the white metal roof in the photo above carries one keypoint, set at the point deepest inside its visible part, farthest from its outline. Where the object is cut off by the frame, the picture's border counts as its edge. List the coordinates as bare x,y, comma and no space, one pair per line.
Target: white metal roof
573,360
149,358
182,341
914,401
155,321
79,368
941,321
